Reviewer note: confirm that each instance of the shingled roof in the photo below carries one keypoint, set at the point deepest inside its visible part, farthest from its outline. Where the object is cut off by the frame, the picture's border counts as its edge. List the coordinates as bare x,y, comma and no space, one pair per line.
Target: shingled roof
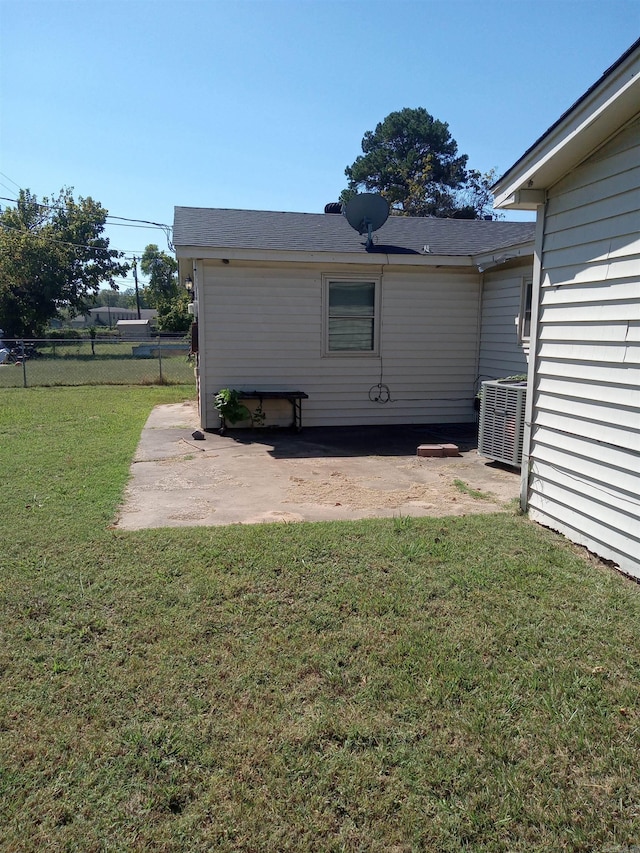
219,228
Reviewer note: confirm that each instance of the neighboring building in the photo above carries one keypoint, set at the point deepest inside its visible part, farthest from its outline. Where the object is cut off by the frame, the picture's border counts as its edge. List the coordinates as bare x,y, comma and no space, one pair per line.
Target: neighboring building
581,467
134,330
385,335
107,316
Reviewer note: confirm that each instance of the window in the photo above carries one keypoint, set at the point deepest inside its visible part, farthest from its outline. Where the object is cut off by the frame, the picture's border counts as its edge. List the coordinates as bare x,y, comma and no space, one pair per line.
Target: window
351,317
525,309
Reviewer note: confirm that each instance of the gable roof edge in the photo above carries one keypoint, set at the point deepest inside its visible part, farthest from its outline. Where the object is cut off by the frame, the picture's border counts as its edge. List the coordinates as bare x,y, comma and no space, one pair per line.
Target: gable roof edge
602,110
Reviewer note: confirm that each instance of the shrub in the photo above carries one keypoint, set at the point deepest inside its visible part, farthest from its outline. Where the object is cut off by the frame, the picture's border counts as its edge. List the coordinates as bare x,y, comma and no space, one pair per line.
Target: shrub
63,334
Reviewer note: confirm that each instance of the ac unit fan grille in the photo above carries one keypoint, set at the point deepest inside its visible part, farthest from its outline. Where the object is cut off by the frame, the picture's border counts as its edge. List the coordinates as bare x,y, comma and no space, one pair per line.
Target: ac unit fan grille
501,434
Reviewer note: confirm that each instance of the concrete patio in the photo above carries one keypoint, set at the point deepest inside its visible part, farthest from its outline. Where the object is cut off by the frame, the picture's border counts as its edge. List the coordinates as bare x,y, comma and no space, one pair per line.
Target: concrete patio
249,477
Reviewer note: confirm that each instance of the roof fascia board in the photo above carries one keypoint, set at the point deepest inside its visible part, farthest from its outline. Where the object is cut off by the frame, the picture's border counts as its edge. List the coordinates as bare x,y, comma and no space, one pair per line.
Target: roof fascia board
490,260
584,128
524,200
373,258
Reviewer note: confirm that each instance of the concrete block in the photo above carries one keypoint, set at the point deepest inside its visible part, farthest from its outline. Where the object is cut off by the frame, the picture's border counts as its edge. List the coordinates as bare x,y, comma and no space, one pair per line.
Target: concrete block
430,450
451,450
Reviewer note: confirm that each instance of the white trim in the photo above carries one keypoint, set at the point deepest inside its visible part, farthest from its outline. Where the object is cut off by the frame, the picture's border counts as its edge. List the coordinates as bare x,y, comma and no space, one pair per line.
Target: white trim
197,274
526,284
584,129
536,281
327,280
362,258
489,260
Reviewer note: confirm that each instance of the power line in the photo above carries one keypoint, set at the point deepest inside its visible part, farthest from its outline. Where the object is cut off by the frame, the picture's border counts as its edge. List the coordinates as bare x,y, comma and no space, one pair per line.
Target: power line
139,223
62,242
10,180
108,215
126,253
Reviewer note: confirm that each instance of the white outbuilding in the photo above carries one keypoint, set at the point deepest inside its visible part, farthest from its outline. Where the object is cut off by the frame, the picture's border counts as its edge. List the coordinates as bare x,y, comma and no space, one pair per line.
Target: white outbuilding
134,330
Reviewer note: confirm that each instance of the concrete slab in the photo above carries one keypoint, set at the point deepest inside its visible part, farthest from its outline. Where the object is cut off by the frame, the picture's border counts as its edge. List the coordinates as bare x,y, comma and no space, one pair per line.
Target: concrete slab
250,477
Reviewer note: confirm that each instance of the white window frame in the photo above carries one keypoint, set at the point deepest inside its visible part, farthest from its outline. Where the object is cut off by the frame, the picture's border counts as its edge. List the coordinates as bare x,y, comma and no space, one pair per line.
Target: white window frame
327,281
525,308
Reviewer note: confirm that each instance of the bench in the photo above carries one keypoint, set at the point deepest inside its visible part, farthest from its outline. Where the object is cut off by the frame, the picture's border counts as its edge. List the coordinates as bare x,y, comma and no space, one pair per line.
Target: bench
294,397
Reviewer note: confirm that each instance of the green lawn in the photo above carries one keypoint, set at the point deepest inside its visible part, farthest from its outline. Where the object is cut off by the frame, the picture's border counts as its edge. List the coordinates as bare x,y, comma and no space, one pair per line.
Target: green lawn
454,684
111,363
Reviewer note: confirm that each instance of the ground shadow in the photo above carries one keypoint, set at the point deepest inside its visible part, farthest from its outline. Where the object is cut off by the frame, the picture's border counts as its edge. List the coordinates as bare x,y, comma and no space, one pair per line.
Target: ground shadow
399,440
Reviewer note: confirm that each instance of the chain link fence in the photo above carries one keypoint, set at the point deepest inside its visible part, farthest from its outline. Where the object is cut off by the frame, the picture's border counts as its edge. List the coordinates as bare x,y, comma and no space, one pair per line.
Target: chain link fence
108,361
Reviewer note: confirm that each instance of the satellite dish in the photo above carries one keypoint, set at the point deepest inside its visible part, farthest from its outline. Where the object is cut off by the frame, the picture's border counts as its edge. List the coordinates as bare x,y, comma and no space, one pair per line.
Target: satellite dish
366,213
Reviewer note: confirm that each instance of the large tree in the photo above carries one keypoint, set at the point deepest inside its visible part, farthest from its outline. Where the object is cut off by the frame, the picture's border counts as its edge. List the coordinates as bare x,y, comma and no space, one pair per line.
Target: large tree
52,257
164,292
413,161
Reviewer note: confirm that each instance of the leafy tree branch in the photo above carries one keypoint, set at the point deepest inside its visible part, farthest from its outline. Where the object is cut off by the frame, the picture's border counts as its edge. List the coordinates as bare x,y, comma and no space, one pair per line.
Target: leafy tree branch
52,257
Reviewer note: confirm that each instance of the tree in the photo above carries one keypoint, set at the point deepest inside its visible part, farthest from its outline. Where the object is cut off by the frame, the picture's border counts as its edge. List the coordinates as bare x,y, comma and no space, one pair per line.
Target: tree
118,299
412,160
52,257
163,292
475,197
128,299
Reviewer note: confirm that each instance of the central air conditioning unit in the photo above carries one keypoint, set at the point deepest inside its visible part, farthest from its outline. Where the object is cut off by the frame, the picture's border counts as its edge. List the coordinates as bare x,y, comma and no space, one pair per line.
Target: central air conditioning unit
501,434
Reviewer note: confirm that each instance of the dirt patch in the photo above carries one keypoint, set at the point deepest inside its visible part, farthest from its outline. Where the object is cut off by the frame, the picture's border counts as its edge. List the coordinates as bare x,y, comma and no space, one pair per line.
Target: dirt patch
341,490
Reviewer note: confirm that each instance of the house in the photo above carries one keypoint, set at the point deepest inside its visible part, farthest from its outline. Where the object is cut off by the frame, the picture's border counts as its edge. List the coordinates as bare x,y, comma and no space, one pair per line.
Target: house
109,316
400,332
581,468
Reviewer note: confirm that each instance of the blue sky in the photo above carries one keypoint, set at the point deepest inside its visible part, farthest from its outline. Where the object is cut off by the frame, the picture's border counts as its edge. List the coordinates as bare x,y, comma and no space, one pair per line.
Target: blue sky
263,103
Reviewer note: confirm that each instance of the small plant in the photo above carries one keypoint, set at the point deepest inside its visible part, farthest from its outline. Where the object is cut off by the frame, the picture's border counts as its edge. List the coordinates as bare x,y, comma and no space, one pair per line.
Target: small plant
411,549
517,377
258,416
401,523
227,402
463,487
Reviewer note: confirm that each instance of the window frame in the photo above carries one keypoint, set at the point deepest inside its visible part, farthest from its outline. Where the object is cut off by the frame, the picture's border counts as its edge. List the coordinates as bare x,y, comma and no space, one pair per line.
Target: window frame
526,305
327,281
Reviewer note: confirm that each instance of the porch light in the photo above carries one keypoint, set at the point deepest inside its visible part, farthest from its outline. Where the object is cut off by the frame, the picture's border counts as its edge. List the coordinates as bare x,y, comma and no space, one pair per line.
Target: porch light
188,283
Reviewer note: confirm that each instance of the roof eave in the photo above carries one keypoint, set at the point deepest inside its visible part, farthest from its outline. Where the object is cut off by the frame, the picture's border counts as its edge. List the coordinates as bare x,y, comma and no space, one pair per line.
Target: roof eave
490,260
601,112
284,256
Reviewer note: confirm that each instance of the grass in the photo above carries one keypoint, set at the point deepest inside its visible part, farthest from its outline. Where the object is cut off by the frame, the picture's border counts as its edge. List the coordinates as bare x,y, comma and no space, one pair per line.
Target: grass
112,364
466,489
397,685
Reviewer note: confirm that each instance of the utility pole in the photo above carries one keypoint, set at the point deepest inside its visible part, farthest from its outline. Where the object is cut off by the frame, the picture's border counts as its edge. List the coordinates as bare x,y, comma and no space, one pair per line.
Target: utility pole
135,278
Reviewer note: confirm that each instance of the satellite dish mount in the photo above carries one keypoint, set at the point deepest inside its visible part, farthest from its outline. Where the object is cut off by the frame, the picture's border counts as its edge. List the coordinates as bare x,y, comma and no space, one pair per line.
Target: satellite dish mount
366,212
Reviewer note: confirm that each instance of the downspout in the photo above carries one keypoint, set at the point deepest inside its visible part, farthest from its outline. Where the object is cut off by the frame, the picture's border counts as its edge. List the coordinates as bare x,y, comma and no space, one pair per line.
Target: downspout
381,397
476,383
532,373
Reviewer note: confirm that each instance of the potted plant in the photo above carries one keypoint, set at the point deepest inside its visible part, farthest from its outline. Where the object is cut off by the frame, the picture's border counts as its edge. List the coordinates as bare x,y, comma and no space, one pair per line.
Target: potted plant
227,402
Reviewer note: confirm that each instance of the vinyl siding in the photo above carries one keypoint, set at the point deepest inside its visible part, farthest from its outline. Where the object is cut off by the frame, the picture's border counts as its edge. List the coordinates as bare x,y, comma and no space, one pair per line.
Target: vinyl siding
502,353
262,328
584,475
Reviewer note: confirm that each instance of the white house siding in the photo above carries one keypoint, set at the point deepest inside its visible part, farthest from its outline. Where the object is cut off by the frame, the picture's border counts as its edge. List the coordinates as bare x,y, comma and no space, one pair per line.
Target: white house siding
502,353
585,443
262,327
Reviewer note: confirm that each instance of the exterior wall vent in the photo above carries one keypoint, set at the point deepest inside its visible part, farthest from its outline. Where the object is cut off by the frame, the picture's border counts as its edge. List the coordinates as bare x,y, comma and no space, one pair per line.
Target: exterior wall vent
502,409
